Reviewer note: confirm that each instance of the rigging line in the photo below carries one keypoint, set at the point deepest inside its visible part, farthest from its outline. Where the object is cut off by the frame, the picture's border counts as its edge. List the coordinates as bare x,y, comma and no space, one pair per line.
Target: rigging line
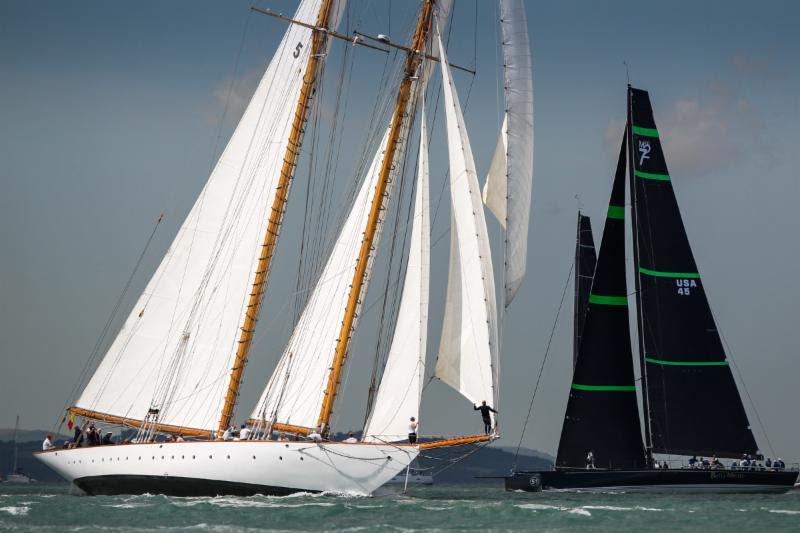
104,332
741,379
541,368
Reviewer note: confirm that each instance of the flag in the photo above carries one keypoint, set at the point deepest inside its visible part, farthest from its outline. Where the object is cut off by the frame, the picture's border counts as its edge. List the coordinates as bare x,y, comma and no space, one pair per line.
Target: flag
71,420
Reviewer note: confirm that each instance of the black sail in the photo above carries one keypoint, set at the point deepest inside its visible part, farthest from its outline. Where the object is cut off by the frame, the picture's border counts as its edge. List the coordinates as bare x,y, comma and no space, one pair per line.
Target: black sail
585,261
691,398
602,412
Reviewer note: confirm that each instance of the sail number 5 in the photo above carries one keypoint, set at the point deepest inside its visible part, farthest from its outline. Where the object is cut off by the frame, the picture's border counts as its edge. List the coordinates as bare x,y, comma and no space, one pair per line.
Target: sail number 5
297,48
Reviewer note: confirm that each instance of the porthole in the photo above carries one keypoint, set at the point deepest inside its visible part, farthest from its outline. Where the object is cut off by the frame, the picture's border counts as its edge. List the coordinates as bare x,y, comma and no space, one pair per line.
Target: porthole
229,457
173,457
140,457
193,457
210,456
182,457
301,458
254,457
162,457
154,458
280,457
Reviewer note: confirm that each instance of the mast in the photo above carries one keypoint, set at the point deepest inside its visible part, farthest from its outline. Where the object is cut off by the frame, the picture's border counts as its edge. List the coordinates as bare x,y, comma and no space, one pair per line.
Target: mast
16,428
276,215
648,441
413,60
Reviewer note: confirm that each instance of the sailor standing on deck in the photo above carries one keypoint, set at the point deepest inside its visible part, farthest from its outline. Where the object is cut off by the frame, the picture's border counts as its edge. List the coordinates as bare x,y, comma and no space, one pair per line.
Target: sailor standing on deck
486,414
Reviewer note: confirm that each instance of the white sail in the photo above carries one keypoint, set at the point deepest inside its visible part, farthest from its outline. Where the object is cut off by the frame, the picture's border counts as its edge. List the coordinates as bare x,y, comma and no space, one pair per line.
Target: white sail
296,389
507,191
176,349
494,189
400,389
467,359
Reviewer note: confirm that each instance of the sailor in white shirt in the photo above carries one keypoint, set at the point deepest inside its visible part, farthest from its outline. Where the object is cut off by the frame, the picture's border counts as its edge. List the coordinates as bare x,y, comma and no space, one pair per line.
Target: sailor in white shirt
351,439
315,435
48,443
228,435
412,430
244,433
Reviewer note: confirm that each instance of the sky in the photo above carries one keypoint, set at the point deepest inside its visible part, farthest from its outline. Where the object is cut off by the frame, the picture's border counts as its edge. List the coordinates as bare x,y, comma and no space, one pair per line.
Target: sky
113,114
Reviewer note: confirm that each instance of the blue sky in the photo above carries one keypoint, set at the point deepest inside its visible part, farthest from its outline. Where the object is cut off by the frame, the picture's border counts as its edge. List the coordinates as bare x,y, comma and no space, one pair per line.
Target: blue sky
113,113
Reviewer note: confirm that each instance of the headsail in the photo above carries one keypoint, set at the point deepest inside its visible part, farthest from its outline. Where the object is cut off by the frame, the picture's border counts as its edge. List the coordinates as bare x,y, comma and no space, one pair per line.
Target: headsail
691,399
602,412
295,391
400,388
585,262
175,351
467,359
507,191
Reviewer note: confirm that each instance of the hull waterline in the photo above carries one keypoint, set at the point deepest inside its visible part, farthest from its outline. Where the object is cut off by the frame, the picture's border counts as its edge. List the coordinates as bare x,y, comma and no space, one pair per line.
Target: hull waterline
239,468
730,481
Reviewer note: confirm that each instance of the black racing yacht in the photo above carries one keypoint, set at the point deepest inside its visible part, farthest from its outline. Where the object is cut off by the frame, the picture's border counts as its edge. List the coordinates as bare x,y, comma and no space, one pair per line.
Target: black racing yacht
692,406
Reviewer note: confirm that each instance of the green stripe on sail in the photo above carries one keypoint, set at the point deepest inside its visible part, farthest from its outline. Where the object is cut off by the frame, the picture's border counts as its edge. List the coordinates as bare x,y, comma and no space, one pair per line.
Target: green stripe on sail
649,176
659,274
604,388
646,132
608,300
685,363
616,211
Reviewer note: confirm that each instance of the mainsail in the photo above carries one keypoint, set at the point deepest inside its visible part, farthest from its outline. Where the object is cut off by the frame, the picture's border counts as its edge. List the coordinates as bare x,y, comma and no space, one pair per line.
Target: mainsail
585,261
467,359
602,412
692,403
400,389
507,191
175,351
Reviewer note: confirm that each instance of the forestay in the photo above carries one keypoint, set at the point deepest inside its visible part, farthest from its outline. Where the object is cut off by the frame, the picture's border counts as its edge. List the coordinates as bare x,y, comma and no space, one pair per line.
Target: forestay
175,350
400,389
295,391
467,359
507,191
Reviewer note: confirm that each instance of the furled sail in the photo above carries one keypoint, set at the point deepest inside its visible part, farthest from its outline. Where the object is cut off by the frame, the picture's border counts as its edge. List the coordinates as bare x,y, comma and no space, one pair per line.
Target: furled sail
691,397
602,412
467,359
400,389
296,389
507,191
585,261
175,351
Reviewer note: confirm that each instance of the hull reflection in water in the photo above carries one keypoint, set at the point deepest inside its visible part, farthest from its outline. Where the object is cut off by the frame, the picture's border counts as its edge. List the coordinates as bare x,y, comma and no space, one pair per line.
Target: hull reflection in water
230,468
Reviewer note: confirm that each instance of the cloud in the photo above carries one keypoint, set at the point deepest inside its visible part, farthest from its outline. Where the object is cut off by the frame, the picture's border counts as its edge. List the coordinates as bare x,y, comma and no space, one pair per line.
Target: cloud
232,95
746,65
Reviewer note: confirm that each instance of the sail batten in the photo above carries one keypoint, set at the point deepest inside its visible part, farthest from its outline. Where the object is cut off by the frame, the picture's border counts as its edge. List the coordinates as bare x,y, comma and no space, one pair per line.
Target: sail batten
175,351
692,402
467,358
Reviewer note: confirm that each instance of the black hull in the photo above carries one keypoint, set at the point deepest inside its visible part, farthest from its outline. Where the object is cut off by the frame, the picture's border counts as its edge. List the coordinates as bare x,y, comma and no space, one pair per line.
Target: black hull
174,486
653,480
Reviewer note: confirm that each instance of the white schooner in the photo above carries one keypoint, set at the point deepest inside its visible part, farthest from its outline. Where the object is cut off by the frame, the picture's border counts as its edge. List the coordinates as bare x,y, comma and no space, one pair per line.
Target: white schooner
175,366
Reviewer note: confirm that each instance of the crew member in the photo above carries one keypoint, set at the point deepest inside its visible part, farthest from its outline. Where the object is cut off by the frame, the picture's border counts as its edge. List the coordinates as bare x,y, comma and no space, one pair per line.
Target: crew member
486,414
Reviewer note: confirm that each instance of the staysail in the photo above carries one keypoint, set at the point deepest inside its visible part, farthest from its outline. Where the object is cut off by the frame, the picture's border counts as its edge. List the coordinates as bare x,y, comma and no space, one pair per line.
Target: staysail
602,412
467,359
507,191
585,261
400,388
295,391
175,351
692,403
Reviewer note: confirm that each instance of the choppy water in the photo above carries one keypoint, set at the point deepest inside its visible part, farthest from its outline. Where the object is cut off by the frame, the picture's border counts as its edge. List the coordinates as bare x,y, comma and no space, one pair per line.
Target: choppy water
476,507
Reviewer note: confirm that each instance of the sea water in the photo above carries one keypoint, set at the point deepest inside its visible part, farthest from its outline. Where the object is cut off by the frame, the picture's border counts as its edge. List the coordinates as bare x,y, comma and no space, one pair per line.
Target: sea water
440,507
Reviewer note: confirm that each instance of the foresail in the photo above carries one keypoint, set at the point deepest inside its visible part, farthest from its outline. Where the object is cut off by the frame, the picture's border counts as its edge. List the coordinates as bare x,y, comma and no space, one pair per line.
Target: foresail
400,388
295,391
467,359
509,195
494,188
175,351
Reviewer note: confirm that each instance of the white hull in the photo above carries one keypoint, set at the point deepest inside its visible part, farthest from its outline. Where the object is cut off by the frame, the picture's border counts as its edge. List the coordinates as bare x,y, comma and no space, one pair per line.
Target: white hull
236,467
19,478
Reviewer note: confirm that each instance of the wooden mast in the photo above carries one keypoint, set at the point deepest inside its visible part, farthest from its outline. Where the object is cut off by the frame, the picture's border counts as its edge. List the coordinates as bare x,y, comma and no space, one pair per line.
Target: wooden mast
318,44
414,57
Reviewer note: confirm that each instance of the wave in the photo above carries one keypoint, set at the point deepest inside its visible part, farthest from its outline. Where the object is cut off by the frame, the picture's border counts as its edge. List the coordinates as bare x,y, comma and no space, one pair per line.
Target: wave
20,510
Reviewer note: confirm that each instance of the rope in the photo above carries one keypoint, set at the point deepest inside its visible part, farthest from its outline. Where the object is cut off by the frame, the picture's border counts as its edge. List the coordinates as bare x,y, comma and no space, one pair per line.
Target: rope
541,368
